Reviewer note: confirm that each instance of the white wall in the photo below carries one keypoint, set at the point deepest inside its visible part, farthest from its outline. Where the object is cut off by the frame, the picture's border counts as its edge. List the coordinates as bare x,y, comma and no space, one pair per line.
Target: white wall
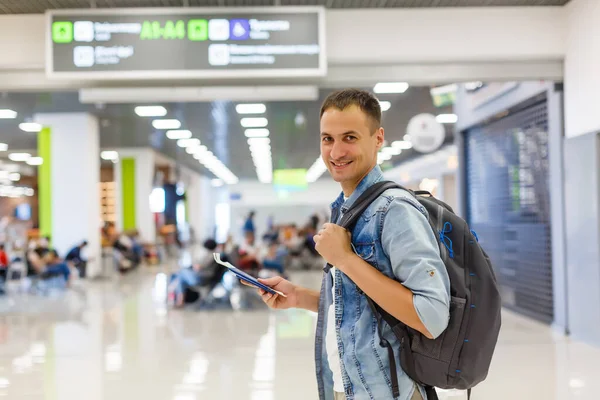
75,175
293,208
445,35
22,41
582,66
254,193
200,203
419,45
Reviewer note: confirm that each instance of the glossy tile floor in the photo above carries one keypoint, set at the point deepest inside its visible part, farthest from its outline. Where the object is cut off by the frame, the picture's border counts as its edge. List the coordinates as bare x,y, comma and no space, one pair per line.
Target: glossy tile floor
115,339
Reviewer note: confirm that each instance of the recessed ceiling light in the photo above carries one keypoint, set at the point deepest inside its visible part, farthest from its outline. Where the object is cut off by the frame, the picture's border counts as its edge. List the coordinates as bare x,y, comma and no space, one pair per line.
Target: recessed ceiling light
3,147
256,133
31,127
447,118
402,144
254,122
250,108
19,156
188,142
385,105
198,152
7,114
179,134
151,111
391,87
316,170
166,124
262,141
391,150
35,161
109,155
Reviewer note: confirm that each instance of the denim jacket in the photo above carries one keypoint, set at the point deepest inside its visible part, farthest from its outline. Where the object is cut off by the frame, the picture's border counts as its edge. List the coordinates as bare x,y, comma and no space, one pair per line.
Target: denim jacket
394,236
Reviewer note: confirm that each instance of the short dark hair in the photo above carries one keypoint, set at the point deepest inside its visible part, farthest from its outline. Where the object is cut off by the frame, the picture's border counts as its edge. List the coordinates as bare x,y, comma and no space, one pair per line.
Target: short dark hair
210,244
366,101
84,243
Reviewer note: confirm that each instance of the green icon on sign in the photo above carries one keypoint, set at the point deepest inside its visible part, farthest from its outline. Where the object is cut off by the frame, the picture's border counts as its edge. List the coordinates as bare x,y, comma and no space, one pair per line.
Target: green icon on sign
62,32
198,29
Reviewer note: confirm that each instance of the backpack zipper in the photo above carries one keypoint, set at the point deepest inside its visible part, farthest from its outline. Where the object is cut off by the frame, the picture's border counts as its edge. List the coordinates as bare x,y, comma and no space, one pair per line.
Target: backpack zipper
468,307
440,227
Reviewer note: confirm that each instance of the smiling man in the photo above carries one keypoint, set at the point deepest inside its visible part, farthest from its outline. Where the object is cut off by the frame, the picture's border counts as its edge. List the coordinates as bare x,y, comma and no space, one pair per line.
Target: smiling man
391,255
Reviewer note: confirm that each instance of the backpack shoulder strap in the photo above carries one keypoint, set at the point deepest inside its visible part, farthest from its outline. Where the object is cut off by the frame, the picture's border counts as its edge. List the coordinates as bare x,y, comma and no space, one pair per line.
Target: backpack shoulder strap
360,205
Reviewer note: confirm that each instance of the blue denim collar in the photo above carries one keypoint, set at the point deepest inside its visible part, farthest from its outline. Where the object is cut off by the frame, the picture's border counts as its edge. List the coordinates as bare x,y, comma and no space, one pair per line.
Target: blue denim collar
374,176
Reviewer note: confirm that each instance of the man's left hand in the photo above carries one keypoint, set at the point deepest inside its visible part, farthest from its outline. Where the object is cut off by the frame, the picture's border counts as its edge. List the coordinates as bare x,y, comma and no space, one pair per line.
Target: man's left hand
333,244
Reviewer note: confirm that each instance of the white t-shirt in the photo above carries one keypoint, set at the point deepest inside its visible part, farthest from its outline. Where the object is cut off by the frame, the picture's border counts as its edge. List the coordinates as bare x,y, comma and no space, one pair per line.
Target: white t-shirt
333,355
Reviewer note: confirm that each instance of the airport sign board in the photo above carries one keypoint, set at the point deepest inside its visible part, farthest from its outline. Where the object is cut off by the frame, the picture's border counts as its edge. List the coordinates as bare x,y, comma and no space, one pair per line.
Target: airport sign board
176,43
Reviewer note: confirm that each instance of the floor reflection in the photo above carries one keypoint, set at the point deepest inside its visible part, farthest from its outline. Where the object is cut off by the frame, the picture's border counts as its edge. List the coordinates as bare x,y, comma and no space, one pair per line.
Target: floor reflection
116,339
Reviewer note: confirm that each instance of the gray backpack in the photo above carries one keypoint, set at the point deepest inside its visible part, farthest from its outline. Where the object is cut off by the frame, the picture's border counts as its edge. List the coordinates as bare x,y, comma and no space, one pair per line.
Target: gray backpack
460,357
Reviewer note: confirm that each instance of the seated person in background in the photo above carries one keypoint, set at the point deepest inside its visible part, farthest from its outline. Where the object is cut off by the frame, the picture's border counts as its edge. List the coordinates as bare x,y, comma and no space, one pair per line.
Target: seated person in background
45,263
109,234
308,235
74,256
125,253
199,274
44,245
275,258
293,241
3,257
3,266
136,245
248,253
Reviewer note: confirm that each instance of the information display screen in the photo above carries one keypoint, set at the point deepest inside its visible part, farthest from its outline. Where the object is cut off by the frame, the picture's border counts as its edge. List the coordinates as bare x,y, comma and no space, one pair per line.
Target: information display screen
179,43
290,179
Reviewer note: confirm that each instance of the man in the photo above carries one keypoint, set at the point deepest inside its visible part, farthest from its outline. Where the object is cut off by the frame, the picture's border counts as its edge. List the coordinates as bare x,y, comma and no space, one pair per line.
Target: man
3,267
202,273
249,224
74,256
3,257
391,255
44,262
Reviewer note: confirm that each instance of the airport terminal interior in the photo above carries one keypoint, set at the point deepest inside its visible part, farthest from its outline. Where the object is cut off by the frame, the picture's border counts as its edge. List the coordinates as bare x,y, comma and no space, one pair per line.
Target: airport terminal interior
139,137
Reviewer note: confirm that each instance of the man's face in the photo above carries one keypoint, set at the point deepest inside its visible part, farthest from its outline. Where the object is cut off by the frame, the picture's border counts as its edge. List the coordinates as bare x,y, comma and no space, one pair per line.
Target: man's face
349,145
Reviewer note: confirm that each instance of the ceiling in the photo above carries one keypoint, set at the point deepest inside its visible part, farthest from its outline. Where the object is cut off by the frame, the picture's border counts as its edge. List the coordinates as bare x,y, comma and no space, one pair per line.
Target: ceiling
293,125
39,6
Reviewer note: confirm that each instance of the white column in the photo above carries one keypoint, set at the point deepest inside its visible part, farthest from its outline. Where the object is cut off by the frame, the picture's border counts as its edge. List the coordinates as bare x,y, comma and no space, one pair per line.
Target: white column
195,201
582,63
75,179
144,183
581,165
201,201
